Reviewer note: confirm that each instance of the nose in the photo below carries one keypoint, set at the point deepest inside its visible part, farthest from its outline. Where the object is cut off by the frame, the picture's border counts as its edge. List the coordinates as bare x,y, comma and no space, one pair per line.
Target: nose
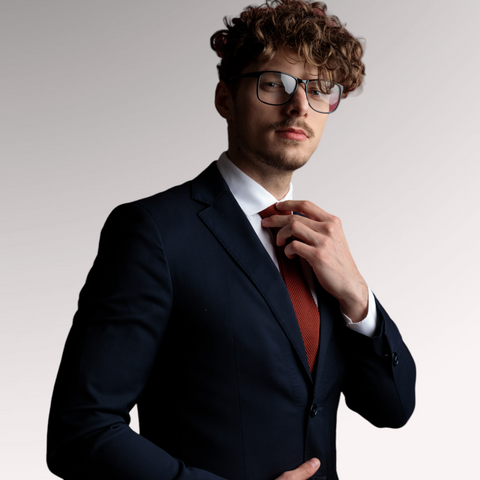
298,105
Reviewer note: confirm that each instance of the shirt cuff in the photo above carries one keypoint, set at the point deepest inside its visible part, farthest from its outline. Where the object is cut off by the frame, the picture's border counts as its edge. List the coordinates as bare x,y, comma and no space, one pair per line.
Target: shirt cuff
368,325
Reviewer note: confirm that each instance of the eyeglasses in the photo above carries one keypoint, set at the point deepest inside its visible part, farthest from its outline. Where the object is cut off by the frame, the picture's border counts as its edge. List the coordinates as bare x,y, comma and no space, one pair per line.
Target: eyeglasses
278,88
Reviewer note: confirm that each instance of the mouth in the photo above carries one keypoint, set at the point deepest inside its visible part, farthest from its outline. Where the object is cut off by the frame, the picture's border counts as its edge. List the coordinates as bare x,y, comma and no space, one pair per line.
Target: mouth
291,133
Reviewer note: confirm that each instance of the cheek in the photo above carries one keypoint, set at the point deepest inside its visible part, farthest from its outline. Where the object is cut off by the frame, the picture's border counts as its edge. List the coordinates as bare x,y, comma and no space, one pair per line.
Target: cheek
253,121
243,114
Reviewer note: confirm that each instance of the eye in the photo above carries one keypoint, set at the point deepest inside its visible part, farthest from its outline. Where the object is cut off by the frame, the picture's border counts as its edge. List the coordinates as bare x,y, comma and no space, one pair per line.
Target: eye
271,85
314,92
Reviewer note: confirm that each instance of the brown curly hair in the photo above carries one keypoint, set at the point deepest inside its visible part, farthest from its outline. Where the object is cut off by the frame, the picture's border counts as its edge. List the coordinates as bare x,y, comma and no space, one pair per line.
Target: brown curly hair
303,27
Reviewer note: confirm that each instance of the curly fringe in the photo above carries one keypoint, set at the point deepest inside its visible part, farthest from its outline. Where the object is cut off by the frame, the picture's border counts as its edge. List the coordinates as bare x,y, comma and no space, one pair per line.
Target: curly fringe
305,28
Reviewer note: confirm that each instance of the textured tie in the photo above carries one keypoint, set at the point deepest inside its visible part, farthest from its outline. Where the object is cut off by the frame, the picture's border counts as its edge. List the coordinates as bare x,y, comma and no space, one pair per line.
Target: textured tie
306,310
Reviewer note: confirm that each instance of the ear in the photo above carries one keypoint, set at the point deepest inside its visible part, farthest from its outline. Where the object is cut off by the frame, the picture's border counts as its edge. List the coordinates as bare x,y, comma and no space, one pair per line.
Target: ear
224,100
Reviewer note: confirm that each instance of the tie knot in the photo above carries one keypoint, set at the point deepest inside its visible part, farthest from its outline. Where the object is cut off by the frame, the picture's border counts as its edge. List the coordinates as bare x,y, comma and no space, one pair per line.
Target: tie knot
272,210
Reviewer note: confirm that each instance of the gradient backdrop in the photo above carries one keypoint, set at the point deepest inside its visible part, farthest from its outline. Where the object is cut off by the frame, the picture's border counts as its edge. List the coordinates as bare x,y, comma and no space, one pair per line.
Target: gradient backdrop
107,101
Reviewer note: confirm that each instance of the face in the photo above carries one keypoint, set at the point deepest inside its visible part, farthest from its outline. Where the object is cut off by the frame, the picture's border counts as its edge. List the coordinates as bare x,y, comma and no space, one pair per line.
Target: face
265,137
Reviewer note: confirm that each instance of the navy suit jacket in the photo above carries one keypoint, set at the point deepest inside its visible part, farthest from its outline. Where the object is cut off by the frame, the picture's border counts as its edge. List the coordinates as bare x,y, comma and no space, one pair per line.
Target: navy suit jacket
185,314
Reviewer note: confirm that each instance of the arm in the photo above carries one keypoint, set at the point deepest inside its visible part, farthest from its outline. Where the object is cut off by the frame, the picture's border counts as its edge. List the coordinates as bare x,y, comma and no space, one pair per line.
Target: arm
123,313
380,379
318,237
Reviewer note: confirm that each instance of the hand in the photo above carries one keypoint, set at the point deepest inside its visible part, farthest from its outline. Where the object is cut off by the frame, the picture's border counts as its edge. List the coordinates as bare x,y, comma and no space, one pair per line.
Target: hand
319,239
303,472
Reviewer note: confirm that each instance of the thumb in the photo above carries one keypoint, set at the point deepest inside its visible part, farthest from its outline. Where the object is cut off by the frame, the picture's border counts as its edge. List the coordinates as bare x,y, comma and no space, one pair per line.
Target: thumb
307,469
303,472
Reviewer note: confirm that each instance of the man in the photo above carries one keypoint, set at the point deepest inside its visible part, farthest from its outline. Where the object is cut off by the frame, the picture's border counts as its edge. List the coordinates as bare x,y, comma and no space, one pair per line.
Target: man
233,324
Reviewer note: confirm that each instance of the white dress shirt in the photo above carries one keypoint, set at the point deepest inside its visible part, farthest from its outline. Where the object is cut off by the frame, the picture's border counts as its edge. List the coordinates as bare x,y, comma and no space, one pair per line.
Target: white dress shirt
253,198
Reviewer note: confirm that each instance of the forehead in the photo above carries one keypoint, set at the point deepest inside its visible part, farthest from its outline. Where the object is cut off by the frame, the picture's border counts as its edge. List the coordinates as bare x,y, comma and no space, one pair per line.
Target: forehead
288,62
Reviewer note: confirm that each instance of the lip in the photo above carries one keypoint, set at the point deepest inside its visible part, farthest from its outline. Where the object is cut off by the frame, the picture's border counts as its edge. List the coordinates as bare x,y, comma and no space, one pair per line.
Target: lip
292,133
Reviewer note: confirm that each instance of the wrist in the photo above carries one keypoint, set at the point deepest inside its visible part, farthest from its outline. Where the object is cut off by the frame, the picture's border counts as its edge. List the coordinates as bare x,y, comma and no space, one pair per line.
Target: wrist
355,305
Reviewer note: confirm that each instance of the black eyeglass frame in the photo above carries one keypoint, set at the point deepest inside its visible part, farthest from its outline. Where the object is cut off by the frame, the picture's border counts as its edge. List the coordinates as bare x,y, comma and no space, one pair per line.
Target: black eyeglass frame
257,75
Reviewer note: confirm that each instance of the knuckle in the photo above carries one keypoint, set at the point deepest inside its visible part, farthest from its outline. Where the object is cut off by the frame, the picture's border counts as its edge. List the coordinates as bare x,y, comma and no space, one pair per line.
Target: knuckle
295,225
309,205
288,476
305,204
294,244
323,253
336,221
319,255
307,471
328,244
329,228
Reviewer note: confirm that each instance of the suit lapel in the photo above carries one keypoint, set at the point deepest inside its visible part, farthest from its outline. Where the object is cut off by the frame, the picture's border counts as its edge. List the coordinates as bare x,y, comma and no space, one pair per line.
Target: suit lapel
327,306
227,222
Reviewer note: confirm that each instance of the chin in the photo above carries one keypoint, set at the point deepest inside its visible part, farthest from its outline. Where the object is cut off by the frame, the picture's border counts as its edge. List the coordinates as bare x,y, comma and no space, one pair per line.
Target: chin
284,162
287,159
289,156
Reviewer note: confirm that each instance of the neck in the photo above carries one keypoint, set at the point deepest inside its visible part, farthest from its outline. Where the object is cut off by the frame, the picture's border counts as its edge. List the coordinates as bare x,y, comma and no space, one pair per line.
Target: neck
274,181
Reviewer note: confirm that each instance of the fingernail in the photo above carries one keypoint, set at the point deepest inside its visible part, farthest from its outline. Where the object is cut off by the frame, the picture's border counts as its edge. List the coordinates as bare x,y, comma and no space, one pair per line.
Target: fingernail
314,462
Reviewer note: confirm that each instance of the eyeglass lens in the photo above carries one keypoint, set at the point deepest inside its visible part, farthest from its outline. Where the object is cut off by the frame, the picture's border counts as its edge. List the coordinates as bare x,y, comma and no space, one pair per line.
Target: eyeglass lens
277,88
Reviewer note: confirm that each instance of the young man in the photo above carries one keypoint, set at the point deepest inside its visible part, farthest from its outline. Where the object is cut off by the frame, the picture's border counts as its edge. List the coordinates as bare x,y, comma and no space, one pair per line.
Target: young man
233,323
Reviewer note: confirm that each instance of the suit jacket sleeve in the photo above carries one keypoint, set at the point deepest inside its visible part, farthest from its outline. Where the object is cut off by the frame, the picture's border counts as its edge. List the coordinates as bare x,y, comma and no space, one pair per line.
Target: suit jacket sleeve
124,309
380,377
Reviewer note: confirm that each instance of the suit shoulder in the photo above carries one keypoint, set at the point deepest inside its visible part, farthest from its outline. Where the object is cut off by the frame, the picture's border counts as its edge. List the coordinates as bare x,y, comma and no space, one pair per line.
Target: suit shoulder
165,199
178,201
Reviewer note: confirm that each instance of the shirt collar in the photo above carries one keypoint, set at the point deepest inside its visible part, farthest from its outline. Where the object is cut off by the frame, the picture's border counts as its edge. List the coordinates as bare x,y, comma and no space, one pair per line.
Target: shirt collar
249,194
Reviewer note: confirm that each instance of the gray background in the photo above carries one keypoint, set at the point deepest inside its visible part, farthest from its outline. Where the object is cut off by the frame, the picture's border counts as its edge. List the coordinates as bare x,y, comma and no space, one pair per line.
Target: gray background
104,102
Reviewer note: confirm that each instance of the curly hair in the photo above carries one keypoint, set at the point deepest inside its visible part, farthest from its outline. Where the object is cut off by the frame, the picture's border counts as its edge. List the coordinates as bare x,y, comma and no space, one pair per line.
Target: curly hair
305,28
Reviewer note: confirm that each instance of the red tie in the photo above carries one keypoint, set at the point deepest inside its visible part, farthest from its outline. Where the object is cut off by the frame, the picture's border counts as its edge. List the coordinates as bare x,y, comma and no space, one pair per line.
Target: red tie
306,310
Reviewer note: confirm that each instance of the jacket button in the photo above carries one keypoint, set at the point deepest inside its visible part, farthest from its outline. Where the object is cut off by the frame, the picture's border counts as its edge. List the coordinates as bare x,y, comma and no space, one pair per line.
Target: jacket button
395,360
313,411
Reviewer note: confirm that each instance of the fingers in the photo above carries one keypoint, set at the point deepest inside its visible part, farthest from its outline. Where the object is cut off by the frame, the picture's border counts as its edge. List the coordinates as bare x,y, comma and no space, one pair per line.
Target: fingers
318,238
307,208
299,228
302,230
312,215
303,472
314,229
